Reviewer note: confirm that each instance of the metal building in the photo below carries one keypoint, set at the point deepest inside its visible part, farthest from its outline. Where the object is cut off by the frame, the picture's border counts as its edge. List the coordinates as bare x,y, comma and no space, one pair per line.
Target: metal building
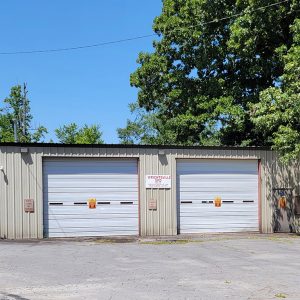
56,190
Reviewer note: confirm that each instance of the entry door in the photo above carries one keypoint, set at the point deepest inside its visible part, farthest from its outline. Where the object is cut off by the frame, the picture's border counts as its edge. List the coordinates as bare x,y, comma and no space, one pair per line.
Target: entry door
70,184
201,181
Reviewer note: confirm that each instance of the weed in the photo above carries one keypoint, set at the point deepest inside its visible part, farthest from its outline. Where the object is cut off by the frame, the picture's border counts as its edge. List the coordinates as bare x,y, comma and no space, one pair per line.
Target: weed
280,295
165,242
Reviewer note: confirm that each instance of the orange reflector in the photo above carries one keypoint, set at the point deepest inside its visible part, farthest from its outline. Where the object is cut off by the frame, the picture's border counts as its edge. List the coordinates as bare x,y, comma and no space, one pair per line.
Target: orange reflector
92,203
282,202
218,201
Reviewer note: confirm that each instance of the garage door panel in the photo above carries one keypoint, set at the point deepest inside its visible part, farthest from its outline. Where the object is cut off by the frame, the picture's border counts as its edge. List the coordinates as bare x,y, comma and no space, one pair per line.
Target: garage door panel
218,166
220,216
108,229
74,194
105,206
213,214
207,177
71,227
89,190
210,196
217,189
74,211
86,233
90,172
113,221
68,185
197,218
90,223
200,181
104,231
101,209
116,196
98,216
216,184
223,220
206,208
109,167
233,226
219,229
69,232
105,181
203,211
92,166
71,210
205,196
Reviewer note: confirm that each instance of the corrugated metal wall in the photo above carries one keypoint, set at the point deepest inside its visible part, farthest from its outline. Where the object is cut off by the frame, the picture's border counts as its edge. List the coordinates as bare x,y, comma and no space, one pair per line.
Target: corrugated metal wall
22,178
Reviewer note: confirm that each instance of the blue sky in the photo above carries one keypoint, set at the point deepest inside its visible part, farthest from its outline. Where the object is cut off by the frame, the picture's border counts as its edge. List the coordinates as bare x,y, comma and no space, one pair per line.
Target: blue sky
83,86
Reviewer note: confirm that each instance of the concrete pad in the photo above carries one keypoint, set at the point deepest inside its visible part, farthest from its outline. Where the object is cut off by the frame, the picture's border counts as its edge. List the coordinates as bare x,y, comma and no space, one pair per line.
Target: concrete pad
236,266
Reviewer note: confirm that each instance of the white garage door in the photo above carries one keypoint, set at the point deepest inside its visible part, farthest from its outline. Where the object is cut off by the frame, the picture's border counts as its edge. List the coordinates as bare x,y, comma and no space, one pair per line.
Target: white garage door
68,186
200,181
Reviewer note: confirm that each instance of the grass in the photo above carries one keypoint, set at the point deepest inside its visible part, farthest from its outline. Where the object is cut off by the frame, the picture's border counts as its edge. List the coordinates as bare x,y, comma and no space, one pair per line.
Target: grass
114,241
186,241
286,240
280,239
170,242
281,295
157,242
182,242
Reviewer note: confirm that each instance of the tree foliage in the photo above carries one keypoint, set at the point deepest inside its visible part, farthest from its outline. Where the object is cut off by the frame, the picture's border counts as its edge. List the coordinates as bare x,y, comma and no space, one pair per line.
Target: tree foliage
277,114
210,64
72,134
146,128
17,111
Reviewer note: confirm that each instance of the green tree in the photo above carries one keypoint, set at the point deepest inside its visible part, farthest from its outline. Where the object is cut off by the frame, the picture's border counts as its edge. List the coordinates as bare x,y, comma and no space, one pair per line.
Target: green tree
143,130
277,115
211,61
147,128
17,112
72,134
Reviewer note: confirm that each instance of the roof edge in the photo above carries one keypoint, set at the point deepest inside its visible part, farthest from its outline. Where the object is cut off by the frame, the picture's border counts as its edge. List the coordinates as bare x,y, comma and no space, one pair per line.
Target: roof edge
134,146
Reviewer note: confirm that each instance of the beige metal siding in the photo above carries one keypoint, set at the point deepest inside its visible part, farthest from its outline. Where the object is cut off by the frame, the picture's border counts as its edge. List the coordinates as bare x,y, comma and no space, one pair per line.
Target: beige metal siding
163,220
22,178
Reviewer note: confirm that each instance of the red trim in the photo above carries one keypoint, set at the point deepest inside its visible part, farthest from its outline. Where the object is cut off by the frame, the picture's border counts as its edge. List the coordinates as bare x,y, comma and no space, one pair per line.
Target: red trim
259,197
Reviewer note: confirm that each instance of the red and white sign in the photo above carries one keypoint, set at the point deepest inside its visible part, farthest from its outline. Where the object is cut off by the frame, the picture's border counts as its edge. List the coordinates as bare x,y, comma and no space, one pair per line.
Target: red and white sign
152,204
29,205
158,181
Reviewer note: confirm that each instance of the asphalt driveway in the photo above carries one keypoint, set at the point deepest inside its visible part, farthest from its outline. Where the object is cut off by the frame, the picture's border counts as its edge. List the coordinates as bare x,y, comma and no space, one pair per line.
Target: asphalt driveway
210,267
